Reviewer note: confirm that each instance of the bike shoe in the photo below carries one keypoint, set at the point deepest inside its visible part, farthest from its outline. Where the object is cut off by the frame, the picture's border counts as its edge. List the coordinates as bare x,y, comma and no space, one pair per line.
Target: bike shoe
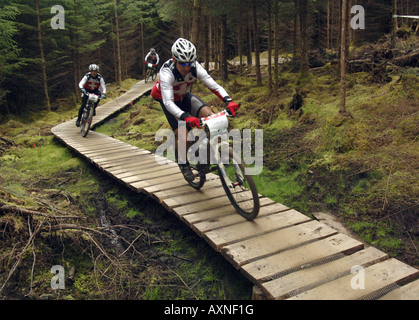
187,171
78,123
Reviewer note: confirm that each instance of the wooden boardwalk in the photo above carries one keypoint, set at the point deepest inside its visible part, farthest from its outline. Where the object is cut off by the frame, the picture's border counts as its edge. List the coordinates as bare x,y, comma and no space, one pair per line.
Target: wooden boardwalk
283,252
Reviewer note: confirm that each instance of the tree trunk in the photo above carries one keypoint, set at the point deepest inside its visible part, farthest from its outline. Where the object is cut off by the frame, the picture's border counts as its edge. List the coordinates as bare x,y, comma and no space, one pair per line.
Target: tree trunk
224,70
118,46
270,46
344,27
276,45
394,25
304,36
195,19
142,44
43,62
256,37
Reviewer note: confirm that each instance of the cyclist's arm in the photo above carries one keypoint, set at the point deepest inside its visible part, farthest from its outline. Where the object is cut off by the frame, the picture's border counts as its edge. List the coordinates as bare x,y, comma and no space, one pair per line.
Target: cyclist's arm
146,57
103,85
82,82
166,86
158,59
203,75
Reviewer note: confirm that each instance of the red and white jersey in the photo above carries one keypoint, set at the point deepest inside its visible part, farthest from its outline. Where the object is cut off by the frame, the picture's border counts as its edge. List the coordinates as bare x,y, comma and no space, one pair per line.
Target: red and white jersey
92,84
172,86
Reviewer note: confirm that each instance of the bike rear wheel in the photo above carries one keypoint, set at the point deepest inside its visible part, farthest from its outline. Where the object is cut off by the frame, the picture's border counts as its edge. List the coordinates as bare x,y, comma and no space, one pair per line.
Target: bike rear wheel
86,121
240,188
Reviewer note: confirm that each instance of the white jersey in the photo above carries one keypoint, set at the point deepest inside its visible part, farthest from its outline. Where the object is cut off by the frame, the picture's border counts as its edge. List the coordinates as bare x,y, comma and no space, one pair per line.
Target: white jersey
153,56
172,86
92,84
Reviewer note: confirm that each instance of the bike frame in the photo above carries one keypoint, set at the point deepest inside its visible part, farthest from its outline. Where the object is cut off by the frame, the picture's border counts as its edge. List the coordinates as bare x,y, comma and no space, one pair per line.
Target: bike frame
217,127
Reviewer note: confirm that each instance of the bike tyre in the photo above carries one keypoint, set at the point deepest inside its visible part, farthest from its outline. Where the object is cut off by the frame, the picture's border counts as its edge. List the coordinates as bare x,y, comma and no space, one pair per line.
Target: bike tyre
86,121
153,76
147,75
252,211
200,177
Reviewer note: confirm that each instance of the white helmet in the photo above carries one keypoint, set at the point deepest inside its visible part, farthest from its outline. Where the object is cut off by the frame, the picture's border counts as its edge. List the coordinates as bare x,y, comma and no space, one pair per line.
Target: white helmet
94,67
184,51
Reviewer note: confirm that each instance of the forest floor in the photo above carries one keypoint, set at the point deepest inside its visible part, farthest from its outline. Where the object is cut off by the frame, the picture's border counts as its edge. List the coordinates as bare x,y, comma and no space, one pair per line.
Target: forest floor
56,209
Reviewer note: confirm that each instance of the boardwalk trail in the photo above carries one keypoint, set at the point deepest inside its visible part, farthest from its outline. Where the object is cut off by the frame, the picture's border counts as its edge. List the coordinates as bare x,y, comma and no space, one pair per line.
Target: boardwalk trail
283,252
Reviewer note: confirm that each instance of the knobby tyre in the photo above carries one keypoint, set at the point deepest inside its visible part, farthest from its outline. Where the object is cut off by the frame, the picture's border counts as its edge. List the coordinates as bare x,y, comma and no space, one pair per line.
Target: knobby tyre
147,75
200,177
241,189
86,121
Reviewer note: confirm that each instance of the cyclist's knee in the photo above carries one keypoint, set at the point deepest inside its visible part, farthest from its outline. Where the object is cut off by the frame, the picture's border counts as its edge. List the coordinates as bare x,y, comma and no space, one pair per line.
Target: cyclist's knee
205,111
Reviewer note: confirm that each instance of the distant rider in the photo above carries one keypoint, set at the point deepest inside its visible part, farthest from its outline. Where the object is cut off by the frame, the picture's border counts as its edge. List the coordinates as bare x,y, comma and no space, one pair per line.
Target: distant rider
172,90
90,83
153,58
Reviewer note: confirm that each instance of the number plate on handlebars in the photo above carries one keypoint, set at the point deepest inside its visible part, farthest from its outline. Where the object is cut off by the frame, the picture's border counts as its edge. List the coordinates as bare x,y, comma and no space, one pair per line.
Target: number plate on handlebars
216,122
93,97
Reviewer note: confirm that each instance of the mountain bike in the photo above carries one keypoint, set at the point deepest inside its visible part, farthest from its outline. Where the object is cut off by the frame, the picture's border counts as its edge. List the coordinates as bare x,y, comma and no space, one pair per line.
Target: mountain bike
150,73
87,115
239,186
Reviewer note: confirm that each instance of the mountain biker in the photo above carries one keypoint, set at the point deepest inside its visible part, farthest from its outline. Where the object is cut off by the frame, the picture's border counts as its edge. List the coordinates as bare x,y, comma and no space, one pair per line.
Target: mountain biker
153,58
172,90
90,83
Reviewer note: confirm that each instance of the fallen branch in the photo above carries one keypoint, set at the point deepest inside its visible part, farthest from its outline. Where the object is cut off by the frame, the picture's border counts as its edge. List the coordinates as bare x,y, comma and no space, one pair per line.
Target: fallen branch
13,209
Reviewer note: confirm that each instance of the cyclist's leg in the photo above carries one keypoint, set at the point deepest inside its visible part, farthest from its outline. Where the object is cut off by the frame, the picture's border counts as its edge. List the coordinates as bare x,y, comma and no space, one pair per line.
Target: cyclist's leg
179,130
197,106
97,91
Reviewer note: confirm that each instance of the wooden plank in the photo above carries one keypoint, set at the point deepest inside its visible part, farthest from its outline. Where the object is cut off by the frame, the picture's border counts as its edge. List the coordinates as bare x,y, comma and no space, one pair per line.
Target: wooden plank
226,210
409,291
160,185
104,153
120,162
202,206
116,156
146,162
178,178
310,277
372,279
139,170
306,255
223,236
186,189
193,196
246,251
213,223
113,147
151,175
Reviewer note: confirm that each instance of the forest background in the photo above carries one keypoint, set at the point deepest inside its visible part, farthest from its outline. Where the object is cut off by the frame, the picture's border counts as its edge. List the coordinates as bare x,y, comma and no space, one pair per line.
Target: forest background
361,164
49,60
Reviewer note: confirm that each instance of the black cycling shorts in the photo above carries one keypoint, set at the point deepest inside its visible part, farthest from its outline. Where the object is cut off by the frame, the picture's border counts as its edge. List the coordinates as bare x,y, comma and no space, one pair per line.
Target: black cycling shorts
190,104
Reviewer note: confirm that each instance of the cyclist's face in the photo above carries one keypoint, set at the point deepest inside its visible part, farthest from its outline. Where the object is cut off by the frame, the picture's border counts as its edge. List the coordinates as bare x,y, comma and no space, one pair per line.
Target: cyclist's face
93,73
184,70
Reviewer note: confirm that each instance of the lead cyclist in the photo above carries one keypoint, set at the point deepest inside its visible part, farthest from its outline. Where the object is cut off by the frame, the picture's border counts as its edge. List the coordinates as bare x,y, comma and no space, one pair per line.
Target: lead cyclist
172,91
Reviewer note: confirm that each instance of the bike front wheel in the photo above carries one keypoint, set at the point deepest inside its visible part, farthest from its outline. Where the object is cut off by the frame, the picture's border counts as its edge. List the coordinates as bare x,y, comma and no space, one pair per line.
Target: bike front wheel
86,121
239,187
147,75
199,177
